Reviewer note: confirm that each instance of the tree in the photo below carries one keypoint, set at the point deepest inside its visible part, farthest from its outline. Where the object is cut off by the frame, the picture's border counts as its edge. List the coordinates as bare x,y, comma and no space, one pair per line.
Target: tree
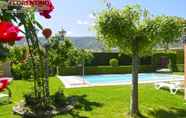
63,53
80,56
170,24
58,52
133,31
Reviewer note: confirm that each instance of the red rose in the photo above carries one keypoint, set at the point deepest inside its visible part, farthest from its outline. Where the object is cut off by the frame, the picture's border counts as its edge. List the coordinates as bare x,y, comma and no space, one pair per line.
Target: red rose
9,32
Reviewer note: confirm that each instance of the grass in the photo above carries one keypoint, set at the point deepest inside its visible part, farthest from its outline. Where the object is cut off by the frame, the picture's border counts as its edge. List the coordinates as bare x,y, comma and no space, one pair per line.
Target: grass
108,102
178,73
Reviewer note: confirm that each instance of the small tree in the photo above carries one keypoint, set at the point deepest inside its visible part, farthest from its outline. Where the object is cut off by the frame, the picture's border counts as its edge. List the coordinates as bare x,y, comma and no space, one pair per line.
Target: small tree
58,52
62,53
80,56
133,31
171,30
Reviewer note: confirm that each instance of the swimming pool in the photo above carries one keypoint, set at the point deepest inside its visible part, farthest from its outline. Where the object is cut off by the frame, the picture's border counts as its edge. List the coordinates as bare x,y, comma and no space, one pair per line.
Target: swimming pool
120,78
115,79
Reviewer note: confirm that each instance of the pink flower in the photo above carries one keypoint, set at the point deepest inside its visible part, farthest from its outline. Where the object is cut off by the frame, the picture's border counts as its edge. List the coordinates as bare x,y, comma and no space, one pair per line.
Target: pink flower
9,32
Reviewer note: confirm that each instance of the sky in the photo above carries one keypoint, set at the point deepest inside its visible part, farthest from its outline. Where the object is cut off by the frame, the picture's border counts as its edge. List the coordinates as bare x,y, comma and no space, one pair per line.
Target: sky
75,16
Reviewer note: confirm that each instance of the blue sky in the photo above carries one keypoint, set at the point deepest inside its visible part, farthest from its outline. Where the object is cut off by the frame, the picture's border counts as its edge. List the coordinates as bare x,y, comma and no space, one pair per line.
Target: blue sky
75,15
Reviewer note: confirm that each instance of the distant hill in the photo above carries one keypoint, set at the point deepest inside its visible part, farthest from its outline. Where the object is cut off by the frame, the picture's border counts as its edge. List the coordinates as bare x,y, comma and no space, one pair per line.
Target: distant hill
94,45
86,42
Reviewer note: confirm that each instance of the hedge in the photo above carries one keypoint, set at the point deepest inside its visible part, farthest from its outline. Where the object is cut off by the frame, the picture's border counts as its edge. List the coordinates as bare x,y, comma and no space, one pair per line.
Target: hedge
171,56
179,57
102,59
103,70
180,67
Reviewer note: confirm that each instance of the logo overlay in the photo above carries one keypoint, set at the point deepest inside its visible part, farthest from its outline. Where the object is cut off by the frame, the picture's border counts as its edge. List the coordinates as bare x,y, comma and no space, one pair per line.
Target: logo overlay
25,5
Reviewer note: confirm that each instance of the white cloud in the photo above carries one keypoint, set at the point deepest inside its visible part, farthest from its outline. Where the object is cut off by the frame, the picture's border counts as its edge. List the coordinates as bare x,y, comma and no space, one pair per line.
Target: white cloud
92,16
68,33
80,22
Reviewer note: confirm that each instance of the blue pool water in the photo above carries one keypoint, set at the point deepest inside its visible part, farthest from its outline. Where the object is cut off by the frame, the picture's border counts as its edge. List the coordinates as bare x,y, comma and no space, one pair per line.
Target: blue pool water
120,78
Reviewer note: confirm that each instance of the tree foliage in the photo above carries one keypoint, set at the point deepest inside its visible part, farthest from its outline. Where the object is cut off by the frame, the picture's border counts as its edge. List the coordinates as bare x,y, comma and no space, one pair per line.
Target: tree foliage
132,25
58,51
134,31
171,29
80,56
62,53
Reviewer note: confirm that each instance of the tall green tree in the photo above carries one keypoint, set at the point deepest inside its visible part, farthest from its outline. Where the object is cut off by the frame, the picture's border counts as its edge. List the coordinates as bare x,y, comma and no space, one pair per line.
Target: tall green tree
171,30
63,53
80,56
133,31
58,52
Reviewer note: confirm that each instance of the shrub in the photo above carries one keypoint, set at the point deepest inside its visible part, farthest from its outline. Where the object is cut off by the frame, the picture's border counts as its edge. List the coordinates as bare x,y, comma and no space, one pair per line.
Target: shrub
22,70
180,57
16,71
114,62
180,67
30,100
34,108
102,59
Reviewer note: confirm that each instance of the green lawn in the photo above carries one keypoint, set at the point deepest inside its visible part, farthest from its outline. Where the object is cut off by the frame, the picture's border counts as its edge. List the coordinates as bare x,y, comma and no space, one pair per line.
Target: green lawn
109,102
178,73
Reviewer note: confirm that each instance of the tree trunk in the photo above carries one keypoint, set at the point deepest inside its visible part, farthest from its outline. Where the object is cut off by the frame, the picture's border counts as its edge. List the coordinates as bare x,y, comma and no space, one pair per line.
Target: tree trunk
57,70
134,96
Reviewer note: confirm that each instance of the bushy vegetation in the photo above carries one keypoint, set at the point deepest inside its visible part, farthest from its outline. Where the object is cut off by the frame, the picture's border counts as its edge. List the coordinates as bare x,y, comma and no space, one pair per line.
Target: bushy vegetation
180,67
170,56
104,70
62,53
22,70
20,63
179,56
3,52
114,62
102,59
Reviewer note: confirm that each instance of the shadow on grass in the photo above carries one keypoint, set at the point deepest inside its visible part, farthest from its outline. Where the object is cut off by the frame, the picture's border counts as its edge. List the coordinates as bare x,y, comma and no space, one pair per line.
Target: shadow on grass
138,116
170,113
80,103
